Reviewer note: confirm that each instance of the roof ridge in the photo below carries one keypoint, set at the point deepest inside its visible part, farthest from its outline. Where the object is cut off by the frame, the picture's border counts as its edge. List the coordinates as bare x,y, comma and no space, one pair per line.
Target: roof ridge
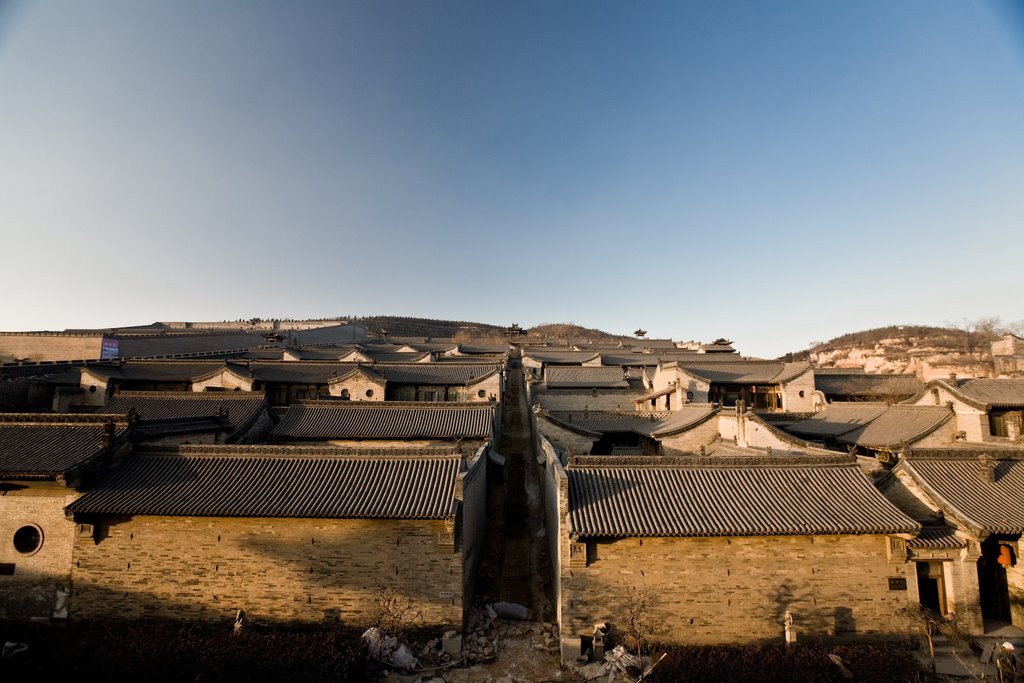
370,405
99,419
712,461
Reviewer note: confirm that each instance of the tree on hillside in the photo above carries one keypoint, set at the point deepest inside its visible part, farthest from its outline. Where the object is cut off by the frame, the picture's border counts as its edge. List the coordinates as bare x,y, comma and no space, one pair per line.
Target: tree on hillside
978,333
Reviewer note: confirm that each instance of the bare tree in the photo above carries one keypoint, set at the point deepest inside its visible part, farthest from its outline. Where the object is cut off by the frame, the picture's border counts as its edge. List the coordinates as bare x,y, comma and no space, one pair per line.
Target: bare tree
640,623
393,613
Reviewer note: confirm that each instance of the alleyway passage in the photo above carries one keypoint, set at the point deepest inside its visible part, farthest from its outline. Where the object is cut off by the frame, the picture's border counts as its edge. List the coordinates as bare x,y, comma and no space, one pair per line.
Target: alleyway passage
515,563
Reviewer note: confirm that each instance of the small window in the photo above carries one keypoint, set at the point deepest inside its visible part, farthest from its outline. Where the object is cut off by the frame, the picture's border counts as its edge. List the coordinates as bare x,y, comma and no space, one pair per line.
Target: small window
689,395
369,393
801,394
481,393
935,396
344,394
92,389
28,539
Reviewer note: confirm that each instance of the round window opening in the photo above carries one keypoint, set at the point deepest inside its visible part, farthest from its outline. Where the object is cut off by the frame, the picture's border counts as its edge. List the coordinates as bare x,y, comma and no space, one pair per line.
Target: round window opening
481,393
801,394
369,393
28,539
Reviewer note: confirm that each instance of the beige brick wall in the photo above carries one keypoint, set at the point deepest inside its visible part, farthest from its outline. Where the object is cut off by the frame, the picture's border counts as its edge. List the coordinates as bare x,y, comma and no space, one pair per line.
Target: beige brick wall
94,390
573,400
32,590
690,441
970,420
792,400
736,590
223,380
357,386
36,347
565,438
278,570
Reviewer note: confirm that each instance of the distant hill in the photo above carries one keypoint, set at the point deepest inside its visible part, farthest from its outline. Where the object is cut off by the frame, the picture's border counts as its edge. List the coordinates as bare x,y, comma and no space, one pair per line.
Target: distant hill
574,332
403,326
926,351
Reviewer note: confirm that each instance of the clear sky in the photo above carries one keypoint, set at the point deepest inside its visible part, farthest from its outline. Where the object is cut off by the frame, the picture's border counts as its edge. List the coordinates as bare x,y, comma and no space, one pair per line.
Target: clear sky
772,172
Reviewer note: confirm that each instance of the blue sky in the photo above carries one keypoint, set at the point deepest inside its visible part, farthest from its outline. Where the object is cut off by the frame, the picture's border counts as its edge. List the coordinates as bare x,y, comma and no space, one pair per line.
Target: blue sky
775,173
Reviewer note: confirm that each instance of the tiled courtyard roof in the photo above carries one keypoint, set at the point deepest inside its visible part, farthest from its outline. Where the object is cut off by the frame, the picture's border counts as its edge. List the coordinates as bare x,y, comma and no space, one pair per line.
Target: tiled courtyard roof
390,487
837,419
648,424
997,393
241,407
630,359
898,424
35,446
955,481
705,497
155,371
937,538
744,372
384,420
560,357
574,377
299,372
485,349
899,387
169,344
435,373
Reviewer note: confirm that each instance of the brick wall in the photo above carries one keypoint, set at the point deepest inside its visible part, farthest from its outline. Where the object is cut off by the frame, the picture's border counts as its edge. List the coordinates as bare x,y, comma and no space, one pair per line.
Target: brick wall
565,438
357,386
36,347
277,570
736,590
223,380
691,440
473,486
798,393
555,492
31,591
608,400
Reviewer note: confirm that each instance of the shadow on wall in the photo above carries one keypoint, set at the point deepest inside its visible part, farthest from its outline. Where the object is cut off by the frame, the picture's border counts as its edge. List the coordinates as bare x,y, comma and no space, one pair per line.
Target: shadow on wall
277,570
809,620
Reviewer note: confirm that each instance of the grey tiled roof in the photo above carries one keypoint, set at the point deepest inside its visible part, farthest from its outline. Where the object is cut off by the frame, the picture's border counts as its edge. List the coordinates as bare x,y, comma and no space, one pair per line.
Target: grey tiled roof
241,407
937,538
485,349
955,481
432,347
380,420
299,372
396,356
745,372
836,419
705,497
646,424
396,487
49,445
898,424
560,357
435,373
573,377
894,387
659,344
155,370
169,344
1001,393
630,359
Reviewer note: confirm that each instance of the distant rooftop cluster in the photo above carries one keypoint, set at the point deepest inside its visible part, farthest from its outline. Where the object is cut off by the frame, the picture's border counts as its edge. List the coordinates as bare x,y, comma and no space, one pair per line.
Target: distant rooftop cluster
180,473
